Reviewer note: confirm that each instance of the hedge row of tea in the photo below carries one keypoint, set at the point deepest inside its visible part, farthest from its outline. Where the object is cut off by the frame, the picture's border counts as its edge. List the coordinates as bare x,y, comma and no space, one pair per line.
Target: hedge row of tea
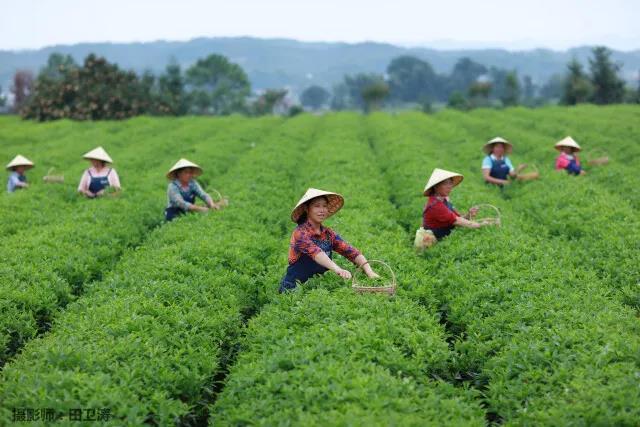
55,241
535,322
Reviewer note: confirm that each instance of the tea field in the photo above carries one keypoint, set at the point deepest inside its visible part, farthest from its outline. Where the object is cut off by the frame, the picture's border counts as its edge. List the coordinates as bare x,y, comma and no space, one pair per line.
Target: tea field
110,316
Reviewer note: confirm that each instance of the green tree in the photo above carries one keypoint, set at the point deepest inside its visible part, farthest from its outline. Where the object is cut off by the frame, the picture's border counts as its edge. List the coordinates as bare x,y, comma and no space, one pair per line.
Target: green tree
412,80
97,90
373,95
266,103
314,97
528,91
340,97
355,86
172,98
608,87
3,99
217,86
458,101
553,89
511,96
465,72
479,93
577,87
58,65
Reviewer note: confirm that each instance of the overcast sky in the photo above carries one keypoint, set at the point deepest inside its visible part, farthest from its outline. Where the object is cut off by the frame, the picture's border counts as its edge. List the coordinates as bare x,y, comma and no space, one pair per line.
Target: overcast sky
512,24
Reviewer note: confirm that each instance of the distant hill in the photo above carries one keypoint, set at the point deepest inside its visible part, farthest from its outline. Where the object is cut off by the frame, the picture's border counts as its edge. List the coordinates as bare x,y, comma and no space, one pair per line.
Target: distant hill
272,63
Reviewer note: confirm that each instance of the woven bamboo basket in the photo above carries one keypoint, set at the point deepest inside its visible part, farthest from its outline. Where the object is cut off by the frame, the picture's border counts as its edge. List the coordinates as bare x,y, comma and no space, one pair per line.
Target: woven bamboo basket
531,175
494,218
388,288
50,178
600,158
424,239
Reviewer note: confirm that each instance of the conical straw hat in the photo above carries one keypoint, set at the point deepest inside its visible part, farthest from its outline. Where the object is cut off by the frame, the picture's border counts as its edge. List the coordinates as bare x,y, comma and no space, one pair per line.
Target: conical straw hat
20,161
488,147
439,175
98,154
181,164
567,142
336,201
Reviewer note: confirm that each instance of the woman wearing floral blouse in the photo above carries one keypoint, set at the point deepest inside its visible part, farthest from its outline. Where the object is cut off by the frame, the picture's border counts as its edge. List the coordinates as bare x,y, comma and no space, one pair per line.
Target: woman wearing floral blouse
311,246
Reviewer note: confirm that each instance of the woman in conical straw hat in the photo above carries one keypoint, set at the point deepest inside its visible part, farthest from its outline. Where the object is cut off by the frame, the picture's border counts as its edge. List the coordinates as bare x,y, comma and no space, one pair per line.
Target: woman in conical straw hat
439,215
568,159
496,166
100,176
183,190
312,244
17,178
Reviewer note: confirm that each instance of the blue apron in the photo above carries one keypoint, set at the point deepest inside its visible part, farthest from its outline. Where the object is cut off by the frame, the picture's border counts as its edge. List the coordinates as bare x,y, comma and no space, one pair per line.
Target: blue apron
573,168
98,183
305,267
22,178
499,169
173,212
441,231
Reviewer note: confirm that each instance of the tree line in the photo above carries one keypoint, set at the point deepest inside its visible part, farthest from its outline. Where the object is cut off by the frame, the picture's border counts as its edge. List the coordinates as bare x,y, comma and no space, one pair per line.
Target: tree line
97,89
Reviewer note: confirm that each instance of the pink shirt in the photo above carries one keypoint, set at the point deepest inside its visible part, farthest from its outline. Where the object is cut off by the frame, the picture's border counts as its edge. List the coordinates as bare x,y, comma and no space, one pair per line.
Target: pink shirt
564,159
114,180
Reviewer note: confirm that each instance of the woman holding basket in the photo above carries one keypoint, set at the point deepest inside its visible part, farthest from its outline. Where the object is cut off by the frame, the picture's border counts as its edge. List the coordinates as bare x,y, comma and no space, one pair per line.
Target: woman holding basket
312,244
439,216
496,166
183,190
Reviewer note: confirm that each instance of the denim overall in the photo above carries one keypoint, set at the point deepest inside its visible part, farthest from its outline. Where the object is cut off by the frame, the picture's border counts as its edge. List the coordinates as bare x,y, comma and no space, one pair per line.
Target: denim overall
172,212
98,183
499,169
305,267
441,231
573,168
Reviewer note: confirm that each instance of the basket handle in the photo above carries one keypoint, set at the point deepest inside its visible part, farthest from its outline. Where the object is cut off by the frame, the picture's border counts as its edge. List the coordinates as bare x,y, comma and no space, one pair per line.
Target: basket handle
487,205
218,193
359,268
534,166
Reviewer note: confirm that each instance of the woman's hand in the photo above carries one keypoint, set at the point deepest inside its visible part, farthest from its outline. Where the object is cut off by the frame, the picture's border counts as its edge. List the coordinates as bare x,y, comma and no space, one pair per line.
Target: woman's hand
372,275
345,274
472,212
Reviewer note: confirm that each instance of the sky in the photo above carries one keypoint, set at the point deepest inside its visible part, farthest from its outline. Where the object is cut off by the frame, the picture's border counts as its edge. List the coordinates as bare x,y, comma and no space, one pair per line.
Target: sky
509,24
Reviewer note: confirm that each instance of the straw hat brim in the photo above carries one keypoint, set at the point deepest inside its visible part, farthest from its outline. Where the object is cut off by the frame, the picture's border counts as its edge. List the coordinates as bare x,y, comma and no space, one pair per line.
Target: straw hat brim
567,142
335,201
19,161
183,164
173,174
439,175
488,147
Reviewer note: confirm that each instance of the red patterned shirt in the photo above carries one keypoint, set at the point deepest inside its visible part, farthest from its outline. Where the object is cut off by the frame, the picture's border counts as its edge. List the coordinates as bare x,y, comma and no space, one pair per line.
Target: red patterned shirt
306,241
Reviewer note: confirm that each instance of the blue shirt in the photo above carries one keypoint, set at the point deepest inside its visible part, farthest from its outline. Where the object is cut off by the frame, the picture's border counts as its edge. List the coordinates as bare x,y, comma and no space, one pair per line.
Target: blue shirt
14,179
487,163
176,194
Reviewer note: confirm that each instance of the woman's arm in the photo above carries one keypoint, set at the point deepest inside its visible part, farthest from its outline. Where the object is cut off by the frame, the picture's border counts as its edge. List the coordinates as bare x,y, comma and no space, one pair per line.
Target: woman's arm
322,259
492,180
463,222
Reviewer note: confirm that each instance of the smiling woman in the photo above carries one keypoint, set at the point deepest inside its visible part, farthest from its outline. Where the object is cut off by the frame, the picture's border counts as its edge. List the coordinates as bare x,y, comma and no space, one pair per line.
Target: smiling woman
312,244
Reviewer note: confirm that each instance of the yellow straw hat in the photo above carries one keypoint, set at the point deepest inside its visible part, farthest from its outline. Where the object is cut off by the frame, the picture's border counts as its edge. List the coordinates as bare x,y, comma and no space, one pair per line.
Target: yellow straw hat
439,175
336,201
567,142
181,164
488,147
98,154
19,161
